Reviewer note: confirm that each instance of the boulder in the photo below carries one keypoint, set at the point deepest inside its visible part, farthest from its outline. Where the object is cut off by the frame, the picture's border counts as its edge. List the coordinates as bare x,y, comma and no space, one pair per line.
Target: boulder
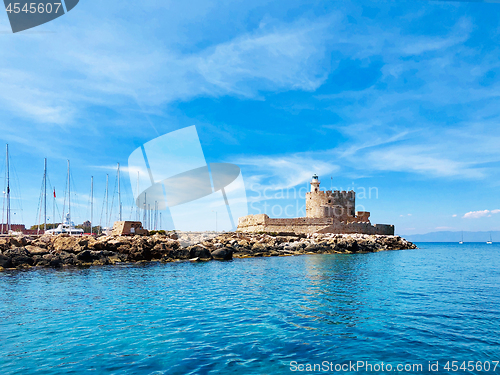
4,243
67,258
5,262
18,241
84,256
179,254
222,254
198,251
55,262
17,251
22,260
67,243
35,250
140,253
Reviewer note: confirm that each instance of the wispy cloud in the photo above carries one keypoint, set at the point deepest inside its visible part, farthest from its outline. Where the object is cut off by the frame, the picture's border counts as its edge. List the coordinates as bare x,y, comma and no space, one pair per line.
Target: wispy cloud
282,172
110,65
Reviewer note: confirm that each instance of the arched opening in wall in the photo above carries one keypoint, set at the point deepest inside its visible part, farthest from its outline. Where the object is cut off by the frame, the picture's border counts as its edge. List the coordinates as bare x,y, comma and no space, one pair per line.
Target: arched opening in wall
316,189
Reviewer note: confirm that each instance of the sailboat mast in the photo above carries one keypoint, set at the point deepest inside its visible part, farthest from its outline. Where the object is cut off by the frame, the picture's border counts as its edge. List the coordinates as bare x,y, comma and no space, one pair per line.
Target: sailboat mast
45,195
91,203
144,213
54,208
119,193
8,189
137,212
69,198
107,181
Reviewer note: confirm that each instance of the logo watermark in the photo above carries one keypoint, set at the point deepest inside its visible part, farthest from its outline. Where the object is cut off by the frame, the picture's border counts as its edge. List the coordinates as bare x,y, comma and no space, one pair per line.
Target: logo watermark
24,15
170,173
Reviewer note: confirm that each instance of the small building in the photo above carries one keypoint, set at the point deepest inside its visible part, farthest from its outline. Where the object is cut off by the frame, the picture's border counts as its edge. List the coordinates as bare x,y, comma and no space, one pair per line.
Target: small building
128,228
20,228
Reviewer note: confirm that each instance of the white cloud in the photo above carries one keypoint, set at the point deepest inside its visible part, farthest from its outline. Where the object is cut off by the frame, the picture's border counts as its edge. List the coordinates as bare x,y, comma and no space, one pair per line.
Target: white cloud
480,214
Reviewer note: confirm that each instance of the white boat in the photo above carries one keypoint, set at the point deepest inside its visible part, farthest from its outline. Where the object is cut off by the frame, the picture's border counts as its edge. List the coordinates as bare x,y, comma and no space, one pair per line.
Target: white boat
490,241
66,227
462,240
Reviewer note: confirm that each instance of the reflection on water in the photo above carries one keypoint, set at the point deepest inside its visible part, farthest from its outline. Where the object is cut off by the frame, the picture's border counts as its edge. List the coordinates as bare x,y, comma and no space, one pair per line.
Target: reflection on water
254,315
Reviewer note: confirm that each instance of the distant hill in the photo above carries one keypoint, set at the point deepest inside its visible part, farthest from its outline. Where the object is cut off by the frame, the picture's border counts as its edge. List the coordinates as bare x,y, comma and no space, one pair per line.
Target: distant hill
447,236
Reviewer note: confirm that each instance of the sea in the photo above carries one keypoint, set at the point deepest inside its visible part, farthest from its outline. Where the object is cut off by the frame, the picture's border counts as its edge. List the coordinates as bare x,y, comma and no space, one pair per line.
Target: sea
433,310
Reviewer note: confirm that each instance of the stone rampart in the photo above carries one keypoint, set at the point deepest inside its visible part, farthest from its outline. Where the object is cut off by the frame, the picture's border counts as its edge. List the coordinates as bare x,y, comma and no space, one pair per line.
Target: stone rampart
262,223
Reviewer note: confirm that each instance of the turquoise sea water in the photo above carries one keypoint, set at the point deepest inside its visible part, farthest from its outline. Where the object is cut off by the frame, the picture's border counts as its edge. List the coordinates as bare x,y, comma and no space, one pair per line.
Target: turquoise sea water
438,303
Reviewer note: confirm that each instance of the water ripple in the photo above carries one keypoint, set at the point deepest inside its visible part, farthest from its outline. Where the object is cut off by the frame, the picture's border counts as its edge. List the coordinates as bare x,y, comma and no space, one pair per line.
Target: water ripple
253,315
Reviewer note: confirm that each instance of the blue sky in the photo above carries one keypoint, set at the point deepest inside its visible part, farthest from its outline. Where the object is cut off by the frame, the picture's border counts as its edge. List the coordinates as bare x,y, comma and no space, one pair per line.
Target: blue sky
398,96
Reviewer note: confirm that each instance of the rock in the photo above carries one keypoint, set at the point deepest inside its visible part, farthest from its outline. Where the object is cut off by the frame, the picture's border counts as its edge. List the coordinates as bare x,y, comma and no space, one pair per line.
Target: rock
55,262
198,251
258,247
179,254
35,250
222,254
312,248
69,244
61,250
4,243
140,254
18,251
22,260
84,256
67,258
244,243
5,262
18,241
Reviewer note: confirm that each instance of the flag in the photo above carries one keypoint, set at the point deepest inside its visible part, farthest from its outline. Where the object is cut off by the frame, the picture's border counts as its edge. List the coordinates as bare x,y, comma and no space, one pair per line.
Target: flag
54,192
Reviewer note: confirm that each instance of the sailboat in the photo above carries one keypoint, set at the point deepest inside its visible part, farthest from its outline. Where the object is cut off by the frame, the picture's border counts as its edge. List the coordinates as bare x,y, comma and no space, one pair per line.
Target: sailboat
462,240
67,226
490,241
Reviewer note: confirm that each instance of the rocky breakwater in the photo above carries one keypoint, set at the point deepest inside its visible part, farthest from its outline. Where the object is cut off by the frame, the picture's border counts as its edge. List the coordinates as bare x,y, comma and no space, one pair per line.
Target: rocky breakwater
63,250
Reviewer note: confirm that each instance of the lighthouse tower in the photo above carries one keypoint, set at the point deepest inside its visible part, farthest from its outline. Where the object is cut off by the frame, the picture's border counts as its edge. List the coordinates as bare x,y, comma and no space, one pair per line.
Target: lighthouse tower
315,184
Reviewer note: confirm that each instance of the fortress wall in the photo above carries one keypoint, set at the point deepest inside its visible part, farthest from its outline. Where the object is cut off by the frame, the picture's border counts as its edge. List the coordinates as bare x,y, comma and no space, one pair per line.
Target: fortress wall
363,215
385,229
262,223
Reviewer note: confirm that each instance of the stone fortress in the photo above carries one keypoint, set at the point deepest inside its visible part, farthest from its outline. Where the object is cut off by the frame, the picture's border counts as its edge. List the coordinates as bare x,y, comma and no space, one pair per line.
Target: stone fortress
326,212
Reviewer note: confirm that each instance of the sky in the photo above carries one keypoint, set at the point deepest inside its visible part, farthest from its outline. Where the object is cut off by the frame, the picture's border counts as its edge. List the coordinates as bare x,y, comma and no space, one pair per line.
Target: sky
398,100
